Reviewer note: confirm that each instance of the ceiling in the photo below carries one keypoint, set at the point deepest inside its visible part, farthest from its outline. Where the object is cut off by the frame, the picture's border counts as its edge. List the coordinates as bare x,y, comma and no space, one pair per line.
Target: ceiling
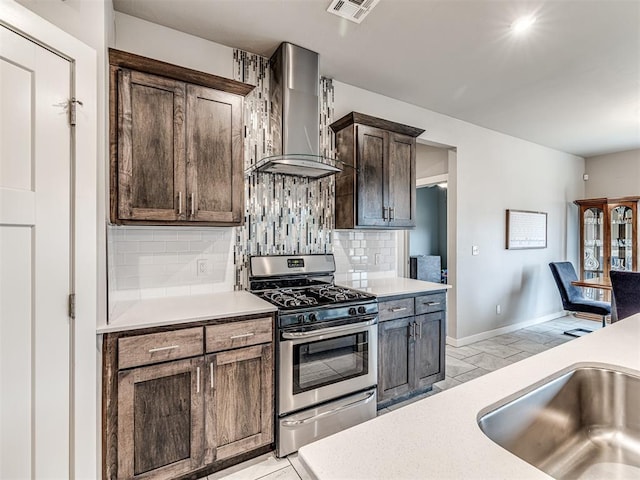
572,83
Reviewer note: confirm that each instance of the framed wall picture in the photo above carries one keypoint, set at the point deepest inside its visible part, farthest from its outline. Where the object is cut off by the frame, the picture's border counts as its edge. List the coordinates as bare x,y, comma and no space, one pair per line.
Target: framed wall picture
526,229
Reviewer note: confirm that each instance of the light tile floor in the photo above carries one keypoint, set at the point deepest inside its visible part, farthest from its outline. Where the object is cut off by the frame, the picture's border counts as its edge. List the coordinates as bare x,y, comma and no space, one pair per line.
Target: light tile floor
461,365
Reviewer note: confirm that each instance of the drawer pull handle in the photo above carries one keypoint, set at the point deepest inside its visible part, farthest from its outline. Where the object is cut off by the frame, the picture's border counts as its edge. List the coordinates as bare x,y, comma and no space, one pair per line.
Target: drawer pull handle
397,309
431,304
243,335
160,349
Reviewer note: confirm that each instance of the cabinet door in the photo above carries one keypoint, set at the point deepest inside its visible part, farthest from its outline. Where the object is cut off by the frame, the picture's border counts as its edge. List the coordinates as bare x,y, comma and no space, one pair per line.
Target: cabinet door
401,167
214,156
160,420
594,248
239,402
429,349
395,358
151,178
372,150
623,241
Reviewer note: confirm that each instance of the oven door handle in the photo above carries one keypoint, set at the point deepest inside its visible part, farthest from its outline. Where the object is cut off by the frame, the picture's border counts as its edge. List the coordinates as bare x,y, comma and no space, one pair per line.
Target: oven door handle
333,411
330,330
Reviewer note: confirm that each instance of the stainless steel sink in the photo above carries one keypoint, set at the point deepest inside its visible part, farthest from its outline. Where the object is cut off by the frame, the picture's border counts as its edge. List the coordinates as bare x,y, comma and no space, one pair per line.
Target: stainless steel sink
584,424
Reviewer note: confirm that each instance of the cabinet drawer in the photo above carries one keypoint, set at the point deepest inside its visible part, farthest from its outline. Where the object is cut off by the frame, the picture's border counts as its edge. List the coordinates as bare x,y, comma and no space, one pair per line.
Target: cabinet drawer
159,347
238,334
395,309
434,302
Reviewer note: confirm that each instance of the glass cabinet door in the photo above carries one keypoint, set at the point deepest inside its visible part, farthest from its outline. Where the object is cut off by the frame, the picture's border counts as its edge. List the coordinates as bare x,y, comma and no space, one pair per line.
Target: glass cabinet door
621,218
593,235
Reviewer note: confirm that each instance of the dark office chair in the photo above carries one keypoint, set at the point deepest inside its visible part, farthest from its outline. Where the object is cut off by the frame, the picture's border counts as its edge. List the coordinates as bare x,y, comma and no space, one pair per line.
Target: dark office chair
626,293
572,298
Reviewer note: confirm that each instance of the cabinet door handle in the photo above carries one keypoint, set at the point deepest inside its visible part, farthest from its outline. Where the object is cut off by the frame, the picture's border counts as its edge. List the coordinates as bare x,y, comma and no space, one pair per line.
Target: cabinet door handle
397,309
385,213
160,349
419,325
412,330
392,213
243,335
211,374
193,204
431,304
179,203
198,380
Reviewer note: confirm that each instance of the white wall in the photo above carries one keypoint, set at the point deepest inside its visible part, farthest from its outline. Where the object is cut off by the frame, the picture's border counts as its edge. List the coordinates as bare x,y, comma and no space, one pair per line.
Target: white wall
155,41
613,175
493,172
431,161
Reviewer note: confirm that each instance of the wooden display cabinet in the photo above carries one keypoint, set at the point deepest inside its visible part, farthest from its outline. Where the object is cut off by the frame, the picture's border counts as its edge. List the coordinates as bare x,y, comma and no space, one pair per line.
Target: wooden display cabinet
608,237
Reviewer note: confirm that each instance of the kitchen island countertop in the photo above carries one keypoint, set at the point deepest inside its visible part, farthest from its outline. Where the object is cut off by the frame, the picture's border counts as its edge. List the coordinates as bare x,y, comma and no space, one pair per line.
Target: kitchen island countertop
392,286
439,437
155,312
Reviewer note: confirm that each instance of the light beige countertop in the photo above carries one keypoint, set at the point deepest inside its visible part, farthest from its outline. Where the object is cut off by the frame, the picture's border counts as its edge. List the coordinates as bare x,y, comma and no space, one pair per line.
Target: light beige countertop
439,438
392,286
157,312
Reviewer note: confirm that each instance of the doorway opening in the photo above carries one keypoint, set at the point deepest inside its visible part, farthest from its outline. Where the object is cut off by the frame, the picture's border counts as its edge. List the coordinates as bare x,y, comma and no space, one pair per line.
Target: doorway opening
426,247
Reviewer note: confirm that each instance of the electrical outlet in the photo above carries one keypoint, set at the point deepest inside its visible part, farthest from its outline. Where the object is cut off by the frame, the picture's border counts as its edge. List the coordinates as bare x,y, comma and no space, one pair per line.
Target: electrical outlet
202,267
475,250
498,309
378,258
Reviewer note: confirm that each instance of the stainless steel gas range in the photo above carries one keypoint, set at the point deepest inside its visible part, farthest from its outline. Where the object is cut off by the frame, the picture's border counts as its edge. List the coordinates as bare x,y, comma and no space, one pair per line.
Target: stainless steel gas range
326,349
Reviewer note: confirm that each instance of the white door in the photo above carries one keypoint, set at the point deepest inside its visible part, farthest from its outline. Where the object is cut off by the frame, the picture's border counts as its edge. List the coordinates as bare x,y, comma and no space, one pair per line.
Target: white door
35,261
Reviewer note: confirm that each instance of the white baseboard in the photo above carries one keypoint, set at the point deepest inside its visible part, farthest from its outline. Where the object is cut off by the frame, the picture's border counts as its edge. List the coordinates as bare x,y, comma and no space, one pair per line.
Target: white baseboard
461,342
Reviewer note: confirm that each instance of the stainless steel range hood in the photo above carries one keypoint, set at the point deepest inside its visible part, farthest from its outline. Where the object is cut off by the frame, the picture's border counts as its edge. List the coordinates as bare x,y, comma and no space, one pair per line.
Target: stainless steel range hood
294,117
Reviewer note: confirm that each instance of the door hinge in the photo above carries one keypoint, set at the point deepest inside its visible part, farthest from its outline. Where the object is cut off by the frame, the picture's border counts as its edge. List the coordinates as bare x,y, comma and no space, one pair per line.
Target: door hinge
73,105
72,305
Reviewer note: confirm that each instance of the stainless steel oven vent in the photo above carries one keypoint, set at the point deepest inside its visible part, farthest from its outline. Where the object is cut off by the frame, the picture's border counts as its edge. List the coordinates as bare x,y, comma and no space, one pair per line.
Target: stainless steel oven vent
295,116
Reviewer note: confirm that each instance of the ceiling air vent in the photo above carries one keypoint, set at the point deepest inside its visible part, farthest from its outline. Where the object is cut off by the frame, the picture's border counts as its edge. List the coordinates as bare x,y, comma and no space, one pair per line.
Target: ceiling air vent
353,10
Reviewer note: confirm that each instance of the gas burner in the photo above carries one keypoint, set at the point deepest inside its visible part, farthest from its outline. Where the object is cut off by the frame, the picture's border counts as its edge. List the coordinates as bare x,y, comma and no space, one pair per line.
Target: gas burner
336,294
289,298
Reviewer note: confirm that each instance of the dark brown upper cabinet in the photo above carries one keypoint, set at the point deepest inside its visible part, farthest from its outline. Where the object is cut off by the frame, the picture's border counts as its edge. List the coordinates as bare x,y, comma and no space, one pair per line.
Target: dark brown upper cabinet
377,186
176,144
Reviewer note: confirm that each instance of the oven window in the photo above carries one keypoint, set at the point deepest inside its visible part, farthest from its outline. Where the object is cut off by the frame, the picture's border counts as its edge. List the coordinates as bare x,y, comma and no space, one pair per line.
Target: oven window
320,363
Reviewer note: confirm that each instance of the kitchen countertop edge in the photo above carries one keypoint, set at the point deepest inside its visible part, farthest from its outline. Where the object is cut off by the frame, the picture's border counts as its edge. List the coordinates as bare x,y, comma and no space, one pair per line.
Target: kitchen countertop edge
393,286
438,437
165,311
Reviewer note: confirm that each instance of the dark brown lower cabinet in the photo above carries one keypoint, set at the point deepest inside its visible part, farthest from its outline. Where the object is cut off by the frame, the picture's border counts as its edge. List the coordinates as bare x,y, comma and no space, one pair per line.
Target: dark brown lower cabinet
167,416
239,412
410,349
396,352
429,350
160,434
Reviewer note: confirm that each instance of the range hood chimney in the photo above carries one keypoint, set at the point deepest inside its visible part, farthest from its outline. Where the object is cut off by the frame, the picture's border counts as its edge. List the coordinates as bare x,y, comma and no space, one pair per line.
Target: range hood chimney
294,117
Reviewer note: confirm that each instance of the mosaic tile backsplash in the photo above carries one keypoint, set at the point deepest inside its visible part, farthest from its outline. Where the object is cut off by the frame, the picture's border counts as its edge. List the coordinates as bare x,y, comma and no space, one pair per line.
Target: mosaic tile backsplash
283,214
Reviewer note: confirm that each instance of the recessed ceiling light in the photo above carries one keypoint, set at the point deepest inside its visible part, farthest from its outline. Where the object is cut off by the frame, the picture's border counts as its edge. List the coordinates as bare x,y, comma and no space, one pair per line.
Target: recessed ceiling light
522,24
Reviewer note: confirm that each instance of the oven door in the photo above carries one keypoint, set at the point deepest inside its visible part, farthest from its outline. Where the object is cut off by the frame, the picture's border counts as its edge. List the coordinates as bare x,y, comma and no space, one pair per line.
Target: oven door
320,365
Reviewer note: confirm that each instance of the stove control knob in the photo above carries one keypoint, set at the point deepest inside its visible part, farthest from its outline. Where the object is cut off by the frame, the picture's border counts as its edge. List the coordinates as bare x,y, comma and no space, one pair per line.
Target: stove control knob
362,310
352,311
312,317
301,318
